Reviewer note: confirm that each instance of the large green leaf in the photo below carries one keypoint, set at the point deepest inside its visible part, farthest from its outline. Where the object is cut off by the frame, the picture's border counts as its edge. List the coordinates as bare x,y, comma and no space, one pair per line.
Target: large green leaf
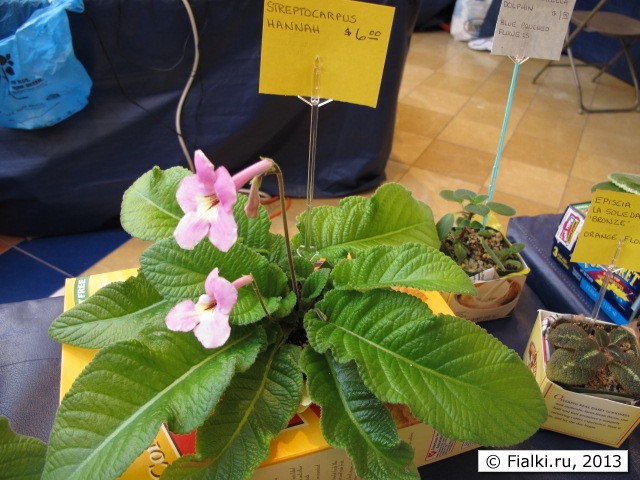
391,217
21,457
150,210
116,406
355,420
116,312
449,371
255,408
178,274
409,265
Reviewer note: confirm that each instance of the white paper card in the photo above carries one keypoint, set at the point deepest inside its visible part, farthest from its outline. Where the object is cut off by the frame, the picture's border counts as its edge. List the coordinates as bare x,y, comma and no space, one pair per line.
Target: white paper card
532,28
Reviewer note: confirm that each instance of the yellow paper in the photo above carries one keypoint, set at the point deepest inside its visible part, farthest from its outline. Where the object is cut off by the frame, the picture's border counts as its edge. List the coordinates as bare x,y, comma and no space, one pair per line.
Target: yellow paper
349,38
612,216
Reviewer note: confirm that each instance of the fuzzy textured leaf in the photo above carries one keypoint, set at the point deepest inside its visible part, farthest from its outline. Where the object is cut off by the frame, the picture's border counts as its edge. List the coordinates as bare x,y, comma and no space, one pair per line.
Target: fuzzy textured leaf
566,335
150,210
233,442
359,223
21,457
628,373
409,265
116,406
620,336
178,274
627,182
355,420
588,356
450,372
314,285
119,311
562,368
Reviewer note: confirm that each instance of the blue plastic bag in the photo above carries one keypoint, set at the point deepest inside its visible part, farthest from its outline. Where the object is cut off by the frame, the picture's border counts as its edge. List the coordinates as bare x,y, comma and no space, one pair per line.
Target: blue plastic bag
41,80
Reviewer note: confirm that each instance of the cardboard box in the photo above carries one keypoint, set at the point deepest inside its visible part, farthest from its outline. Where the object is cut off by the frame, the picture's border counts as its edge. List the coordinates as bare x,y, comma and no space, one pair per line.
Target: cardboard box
298,452
622,299
580,415
497,296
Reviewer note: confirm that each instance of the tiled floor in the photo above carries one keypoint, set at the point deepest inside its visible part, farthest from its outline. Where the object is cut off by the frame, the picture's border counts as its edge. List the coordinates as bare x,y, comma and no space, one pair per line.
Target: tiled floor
450,115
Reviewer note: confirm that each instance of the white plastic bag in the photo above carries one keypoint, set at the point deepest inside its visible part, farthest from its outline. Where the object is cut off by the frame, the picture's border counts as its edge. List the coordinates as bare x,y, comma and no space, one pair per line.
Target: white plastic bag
467,18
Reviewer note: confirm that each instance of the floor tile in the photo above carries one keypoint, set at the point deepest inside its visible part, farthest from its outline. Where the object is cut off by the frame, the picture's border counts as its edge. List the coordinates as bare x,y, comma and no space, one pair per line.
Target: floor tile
426,186
436,99
472,134
576,191
395,170
408,146
420,120
452,83
548,154
595,166
456,161
539,185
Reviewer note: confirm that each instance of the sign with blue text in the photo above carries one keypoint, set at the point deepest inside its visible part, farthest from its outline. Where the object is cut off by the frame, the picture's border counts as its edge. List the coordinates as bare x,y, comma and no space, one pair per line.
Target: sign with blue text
532,28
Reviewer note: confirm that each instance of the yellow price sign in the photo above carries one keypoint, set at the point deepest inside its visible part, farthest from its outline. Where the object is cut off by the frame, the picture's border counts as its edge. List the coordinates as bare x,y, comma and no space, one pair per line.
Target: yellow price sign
349,38
612,217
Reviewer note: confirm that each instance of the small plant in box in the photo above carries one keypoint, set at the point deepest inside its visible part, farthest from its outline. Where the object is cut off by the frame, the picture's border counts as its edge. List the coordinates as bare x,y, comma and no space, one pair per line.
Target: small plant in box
473,245
596,357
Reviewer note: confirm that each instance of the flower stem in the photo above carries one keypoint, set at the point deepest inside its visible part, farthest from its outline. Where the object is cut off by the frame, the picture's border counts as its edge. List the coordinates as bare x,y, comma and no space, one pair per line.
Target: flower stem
278,173
259,295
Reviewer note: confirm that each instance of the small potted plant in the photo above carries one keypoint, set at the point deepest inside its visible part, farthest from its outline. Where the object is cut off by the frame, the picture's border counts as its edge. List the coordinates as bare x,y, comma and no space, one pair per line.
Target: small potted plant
589,372
484,253
594,357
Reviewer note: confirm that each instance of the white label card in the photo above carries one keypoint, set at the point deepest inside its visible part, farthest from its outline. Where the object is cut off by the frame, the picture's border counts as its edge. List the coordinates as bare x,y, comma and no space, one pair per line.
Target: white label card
532,28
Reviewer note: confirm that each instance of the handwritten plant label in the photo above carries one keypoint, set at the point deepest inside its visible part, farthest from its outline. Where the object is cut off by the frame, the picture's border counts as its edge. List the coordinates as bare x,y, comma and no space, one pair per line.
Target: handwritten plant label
532,28
350,38
612,215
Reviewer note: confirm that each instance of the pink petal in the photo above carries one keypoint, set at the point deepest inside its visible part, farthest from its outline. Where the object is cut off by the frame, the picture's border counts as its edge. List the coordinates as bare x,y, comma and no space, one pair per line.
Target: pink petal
183,317
225,189
190,230
213,332
258,168
190,191
205,170
222,290
223,231
253,203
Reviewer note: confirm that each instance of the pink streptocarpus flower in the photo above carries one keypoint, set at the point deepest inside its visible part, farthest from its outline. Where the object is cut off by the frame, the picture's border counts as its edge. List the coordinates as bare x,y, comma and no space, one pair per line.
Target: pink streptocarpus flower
207,198
209,317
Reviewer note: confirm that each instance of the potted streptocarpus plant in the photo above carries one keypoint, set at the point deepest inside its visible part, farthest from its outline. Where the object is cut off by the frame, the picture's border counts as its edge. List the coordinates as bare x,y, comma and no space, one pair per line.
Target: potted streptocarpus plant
225,326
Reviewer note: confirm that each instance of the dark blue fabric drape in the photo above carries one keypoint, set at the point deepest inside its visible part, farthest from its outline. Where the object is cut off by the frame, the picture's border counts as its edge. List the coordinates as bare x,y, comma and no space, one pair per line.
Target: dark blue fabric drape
70,177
